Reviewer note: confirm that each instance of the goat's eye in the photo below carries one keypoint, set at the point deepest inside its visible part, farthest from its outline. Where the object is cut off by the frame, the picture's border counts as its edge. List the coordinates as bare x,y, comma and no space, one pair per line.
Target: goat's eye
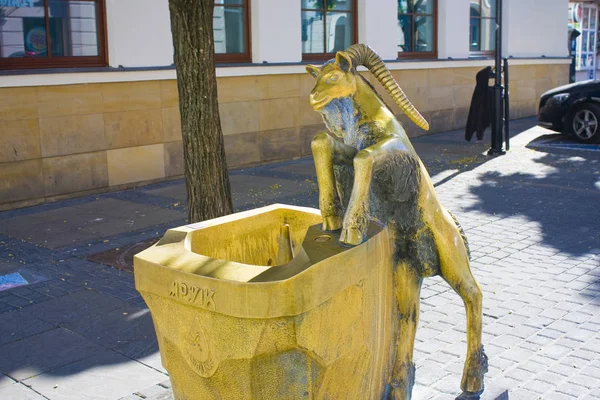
334,78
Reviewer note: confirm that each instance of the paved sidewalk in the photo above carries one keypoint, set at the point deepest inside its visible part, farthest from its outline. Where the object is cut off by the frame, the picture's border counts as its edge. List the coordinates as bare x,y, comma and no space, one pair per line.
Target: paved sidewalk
79,330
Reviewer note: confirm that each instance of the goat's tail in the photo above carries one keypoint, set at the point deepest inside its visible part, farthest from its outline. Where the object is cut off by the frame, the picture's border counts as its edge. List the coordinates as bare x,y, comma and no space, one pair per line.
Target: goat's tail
363,55
462,234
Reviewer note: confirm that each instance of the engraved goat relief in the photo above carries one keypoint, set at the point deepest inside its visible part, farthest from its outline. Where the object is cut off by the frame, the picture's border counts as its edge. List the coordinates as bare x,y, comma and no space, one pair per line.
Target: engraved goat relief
198,352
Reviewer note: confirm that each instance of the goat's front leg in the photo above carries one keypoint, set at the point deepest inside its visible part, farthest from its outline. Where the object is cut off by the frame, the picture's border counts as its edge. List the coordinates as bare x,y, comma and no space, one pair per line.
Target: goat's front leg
327,151
357,217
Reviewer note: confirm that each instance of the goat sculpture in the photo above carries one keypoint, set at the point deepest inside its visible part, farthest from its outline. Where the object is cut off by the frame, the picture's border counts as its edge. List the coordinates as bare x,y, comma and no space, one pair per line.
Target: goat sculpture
367,169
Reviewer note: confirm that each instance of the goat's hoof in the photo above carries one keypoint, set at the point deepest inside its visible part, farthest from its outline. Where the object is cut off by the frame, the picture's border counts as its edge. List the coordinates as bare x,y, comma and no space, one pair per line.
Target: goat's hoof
331,224
351,237
399,393
473,374
470,395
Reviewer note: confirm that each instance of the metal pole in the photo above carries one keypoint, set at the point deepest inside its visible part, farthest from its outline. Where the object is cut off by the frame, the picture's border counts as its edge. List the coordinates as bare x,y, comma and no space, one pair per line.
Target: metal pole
497,119
506,107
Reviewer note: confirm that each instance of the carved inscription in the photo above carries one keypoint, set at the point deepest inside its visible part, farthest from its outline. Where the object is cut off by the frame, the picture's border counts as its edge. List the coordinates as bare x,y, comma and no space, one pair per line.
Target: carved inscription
198,352
193,294
204,369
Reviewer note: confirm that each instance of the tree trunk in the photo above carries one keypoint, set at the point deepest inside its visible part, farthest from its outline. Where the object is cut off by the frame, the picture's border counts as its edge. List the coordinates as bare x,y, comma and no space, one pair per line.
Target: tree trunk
206,179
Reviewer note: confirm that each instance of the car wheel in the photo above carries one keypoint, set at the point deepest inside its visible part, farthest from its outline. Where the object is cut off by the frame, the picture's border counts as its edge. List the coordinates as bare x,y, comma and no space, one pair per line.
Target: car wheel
585,123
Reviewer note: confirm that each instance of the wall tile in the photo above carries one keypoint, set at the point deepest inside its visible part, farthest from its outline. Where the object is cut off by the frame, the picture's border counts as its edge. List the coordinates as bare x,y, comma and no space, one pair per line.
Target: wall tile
246,88
441,77
440,98
75,173
523,72
278,114
21,180
307,133
561,72
410,128
278,86
466,76
460,117
239,117
418,96
560,75
463,94
558,80
306,114
169,96
17,104
307,84
541,86
19,140
543,71
242,149
238,88
442,121
133,128
280,144
56,101
135,164
131,96
171,124
72,134
174,164
412,78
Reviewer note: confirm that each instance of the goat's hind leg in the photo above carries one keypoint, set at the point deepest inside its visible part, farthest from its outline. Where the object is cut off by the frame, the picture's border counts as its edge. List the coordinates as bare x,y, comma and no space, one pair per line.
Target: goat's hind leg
456,271
327,150
408,289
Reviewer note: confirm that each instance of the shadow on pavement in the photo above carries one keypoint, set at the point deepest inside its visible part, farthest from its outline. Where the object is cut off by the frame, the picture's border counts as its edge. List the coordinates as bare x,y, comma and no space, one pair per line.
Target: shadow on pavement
448,155
51,343
562,197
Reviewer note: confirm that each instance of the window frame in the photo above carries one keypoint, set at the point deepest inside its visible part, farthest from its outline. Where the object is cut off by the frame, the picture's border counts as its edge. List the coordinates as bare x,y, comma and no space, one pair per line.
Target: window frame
328,56
422,54
246,56
47,62
480,53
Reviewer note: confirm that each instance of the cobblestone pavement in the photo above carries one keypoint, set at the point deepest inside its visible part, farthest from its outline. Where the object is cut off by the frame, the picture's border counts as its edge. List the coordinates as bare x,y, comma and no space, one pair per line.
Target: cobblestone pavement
79,329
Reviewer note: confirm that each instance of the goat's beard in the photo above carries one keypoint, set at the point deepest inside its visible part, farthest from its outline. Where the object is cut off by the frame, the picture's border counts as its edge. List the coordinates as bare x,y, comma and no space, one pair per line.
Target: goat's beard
340,117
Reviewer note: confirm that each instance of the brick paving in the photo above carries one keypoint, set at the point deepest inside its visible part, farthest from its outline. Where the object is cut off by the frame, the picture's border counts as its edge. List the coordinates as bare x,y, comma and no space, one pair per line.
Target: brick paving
80,329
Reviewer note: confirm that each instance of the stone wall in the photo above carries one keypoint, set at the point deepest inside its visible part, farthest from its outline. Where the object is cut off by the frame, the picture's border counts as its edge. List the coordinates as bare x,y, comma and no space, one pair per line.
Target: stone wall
64,141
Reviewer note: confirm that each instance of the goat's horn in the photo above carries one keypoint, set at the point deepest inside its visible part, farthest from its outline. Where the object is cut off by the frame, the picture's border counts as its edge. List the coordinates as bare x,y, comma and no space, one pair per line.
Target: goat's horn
363,55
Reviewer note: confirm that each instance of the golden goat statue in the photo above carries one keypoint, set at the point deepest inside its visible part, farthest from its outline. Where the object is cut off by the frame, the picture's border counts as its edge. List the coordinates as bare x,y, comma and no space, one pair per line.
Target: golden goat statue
368,170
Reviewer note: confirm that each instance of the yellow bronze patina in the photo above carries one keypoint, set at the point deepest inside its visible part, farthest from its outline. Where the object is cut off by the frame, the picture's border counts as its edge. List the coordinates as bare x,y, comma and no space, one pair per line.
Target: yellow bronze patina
368,170
264,305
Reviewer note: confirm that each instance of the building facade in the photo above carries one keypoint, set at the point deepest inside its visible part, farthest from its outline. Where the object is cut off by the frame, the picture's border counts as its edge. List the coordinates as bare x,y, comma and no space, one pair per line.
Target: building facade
583,17
88,94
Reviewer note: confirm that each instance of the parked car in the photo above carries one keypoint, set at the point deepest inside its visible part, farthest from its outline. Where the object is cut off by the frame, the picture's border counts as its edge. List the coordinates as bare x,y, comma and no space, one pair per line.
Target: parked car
573,110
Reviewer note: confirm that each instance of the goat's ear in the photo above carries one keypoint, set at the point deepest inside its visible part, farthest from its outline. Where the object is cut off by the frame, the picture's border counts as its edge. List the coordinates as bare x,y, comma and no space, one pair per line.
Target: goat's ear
343,60
313,70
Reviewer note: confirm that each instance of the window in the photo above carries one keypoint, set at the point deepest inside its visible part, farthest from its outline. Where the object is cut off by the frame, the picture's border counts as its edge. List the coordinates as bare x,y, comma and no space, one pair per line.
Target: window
482,32
328,26
52,33
417,28
583,17
231,30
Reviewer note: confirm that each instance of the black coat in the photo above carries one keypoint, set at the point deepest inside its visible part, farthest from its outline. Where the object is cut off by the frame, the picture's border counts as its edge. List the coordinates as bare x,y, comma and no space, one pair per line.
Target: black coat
481,106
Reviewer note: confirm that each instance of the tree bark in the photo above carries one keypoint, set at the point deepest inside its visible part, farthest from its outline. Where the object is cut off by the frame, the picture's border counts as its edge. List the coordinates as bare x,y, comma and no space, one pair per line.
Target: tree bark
206,179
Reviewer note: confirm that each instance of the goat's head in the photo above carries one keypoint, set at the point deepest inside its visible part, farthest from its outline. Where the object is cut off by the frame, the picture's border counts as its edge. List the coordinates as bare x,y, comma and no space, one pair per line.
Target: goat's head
338,79
335,79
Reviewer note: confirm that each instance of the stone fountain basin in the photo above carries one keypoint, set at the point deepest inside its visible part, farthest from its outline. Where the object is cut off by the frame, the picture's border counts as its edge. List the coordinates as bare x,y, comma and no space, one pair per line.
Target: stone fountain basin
232,324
